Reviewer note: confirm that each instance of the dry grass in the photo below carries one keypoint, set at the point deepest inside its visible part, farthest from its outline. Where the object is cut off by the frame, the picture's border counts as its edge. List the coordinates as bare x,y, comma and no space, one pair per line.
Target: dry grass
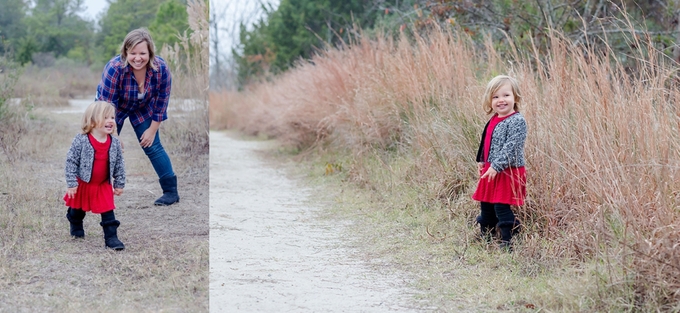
164,267
54,86
403,119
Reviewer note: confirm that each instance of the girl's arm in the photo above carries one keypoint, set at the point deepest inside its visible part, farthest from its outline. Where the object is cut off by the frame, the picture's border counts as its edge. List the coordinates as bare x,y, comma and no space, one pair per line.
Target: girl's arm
119,169
72,163
514,143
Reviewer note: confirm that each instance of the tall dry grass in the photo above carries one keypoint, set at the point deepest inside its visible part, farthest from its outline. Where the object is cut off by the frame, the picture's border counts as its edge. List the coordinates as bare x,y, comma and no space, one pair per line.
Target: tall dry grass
603,150
188,61
55,85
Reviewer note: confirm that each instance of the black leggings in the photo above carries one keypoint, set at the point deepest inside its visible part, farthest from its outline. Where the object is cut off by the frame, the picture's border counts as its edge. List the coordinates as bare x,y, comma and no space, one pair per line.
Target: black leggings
496,213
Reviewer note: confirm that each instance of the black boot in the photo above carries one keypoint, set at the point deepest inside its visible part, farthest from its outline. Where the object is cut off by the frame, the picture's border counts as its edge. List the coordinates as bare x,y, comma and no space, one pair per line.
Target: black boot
506,235
110,226
487,222
508,225
170,195
75,217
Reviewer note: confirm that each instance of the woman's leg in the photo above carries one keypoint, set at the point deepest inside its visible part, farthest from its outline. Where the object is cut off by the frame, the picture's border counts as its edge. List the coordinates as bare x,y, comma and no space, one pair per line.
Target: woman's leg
161,163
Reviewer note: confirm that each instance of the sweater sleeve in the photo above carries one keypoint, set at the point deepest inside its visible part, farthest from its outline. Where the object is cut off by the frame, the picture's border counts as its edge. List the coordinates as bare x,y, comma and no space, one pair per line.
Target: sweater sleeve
119,170
72,163
512,147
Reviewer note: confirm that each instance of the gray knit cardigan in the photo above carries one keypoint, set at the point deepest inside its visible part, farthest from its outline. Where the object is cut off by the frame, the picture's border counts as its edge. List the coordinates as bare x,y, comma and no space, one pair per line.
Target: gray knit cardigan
80,158
507,143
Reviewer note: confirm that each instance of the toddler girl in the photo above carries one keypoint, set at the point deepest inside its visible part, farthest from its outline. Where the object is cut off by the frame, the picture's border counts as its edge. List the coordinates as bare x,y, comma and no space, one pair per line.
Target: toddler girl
93,163
500,160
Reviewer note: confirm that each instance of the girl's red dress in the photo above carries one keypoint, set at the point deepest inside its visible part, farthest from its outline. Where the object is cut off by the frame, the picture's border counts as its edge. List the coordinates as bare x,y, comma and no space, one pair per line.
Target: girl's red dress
509,186
97,195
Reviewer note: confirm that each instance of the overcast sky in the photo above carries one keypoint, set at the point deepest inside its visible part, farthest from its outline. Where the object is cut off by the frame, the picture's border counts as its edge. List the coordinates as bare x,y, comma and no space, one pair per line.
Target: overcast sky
229,14
94,7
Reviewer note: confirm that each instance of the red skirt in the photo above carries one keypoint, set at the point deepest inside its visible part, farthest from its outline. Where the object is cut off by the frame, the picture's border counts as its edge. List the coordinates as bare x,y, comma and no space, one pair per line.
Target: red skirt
508,187
97,195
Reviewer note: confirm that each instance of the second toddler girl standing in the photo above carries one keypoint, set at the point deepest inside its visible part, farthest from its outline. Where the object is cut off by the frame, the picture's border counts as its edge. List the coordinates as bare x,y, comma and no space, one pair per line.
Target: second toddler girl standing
93,159
500,160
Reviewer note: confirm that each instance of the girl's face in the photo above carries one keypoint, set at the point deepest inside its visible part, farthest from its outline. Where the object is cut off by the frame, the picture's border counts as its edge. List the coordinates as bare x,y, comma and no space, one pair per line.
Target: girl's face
138,56
107,127
503,100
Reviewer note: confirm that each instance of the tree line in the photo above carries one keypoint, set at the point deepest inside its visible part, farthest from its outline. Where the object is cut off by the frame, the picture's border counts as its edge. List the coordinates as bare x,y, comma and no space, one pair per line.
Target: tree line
35,32
297,29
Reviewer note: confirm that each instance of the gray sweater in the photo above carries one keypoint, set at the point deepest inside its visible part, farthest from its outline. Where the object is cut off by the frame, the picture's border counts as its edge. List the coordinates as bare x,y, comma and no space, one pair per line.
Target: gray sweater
507,143
80,158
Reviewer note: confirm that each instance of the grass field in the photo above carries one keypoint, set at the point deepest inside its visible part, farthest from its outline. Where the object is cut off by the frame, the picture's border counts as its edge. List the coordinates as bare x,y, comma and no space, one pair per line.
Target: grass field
397,123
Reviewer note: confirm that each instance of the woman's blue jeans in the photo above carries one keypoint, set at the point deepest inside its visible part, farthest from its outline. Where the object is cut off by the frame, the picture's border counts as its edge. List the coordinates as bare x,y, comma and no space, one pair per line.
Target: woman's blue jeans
157,155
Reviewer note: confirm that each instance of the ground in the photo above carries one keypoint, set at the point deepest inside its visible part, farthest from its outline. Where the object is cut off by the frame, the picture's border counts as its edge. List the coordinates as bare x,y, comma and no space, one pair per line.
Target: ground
272,251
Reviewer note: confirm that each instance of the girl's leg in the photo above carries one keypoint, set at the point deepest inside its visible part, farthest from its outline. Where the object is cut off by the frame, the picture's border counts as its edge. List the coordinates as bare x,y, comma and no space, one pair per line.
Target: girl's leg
506,223
487,221
161,163
75,217
110,226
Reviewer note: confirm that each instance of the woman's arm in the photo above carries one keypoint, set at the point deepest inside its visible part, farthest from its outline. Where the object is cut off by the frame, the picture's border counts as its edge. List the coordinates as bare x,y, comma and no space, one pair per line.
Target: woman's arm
159,105
107,90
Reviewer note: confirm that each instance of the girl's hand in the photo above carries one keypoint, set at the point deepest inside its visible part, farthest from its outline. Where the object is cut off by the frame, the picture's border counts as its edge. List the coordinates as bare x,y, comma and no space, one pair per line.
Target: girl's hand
71,192
480,167
117,191
147,137
490,174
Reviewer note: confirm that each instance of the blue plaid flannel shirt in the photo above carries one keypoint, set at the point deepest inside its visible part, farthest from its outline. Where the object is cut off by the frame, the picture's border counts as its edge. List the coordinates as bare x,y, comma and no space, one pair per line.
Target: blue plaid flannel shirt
119,87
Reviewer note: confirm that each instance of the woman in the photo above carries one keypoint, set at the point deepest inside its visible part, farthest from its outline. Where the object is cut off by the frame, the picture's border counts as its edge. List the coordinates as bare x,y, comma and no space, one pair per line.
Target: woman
138,83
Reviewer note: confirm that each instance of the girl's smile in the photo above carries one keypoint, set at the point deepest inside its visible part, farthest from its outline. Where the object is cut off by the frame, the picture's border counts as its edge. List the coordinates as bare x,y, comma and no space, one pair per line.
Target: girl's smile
503,100
105,128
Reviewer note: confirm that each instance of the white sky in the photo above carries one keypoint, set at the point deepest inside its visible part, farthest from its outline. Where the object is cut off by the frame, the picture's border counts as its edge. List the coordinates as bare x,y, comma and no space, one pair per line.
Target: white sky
229,14
94,7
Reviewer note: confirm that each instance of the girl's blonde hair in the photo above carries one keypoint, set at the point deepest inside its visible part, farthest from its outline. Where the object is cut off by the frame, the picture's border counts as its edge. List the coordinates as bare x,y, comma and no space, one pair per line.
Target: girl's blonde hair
493,86
134,38
95,115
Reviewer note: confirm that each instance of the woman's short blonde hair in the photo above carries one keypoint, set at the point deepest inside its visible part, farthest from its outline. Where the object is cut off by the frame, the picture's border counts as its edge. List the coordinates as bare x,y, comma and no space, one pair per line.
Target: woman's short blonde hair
493,86
96,114
134,38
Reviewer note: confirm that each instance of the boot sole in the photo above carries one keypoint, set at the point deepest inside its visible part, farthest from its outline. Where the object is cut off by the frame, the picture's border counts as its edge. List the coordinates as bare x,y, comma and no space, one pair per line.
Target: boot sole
164,204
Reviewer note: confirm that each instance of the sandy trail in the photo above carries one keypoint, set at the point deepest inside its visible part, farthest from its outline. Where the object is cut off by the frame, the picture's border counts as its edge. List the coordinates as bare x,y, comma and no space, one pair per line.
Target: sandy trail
269,250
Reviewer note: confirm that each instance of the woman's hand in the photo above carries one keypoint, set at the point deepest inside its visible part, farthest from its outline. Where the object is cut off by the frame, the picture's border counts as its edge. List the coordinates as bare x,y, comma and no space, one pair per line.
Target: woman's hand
117,191
71,192
147,137
480,167
490,174
149,134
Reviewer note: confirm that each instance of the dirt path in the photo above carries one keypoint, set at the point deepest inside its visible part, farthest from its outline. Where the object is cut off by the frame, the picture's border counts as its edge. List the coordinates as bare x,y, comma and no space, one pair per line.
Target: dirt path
270,251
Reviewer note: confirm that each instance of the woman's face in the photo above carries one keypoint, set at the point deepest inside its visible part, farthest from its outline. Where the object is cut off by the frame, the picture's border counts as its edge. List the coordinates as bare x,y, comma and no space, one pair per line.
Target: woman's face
138,56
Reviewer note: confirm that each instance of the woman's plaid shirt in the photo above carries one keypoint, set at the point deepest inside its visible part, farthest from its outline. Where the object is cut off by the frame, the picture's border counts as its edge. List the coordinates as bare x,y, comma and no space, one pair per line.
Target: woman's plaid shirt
119,87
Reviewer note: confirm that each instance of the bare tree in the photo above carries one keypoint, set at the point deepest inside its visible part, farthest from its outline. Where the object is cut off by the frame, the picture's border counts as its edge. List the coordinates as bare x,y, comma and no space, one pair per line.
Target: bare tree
225,25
